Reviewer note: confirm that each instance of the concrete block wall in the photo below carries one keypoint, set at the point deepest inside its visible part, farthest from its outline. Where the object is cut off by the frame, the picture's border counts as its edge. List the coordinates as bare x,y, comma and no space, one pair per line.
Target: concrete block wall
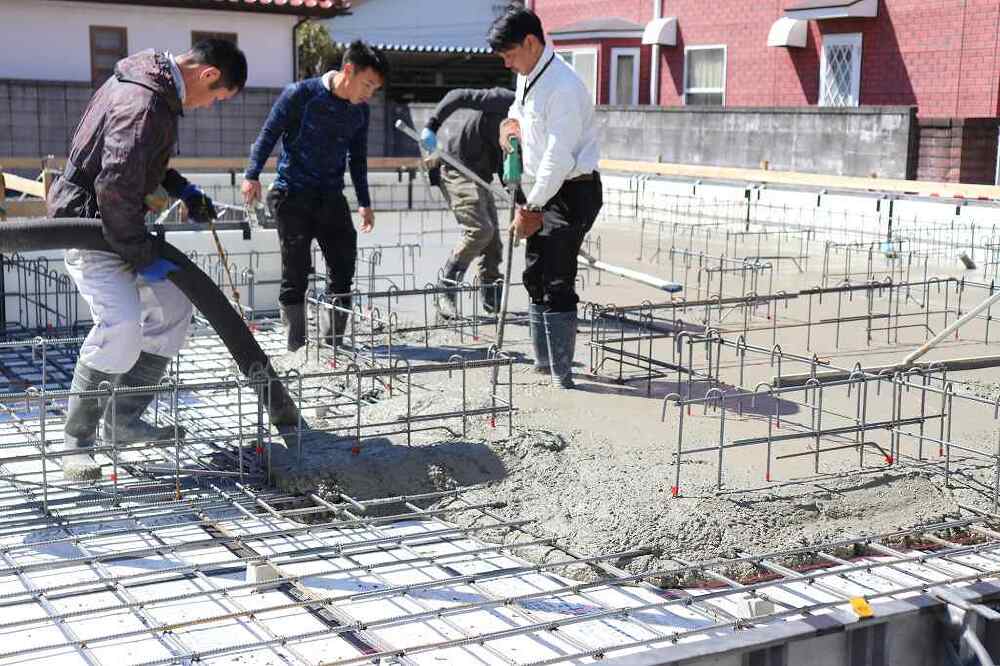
38,118
849,142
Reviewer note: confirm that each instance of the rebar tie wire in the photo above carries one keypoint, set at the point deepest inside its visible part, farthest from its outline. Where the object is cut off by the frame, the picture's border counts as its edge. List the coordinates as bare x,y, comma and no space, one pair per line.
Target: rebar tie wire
224,259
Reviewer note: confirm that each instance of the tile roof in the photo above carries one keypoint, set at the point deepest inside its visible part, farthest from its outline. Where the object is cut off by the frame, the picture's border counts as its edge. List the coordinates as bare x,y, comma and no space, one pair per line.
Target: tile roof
425,48
314,8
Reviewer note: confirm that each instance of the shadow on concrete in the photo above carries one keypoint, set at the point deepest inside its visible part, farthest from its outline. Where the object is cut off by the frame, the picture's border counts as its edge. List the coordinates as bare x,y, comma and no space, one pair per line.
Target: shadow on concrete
379,467
441,353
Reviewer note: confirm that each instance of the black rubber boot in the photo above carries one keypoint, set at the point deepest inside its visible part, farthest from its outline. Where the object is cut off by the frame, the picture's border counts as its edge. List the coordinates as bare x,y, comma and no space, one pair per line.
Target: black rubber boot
294,318
80,431
492,295
122,421
447,302
333,322
560,329
539,342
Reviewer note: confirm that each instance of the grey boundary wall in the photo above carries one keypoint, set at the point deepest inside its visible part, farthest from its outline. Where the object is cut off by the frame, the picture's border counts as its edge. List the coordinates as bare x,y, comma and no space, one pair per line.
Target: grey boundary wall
838,141
845,142
37,118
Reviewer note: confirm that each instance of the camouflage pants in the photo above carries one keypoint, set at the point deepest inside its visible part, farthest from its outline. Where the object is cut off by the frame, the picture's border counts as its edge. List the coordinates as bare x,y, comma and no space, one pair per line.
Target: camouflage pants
476,213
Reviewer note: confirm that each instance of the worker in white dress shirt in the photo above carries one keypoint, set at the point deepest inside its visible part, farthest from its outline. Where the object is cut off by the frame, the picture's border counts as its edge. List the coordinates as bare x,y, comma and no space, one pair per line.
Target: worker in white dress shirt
553,117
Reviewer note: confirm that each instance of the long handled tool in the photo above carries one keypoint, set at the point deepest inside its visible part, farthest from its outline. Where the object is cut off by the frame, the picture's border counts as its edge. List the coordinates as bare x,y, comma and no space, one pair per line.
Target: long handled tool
512,170
910,360
583,257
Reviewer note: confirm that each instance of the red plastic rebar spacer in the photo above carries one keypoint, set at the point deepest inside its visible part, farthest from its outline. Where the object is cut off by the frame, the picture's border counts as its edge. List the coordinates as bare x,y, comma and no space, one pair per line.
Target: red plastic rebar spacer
113,476
259,450
355,450
940,451
253,327
888,460
767,476
493,422
674,491
475,338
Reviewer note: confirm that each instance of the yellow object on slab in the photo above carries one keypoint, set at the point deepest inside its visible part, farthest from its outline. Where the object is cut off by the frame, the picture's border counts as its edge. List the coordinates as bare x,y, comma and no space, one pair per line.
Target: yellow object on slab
861,607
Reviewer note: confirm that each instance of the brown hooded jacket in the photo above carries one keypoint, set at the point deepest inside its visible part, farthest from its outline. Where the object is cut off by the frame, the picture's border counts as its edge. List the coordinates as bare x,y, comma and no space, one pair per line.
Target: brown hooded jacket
120,153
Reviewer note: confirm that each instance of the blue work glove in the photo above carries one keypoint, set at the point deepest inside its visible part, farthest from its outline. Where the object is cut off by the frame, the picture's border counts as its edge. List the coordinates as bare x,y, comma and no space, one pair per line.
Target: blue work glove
158,270
428,140
200,207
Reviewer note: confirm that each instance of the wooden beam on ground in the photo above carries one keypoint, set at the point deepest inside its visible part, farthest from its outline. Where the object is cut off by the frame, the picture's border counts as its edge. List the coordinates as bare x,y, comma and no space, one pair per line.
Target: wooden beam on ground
950,364
16,209
24,185
819,181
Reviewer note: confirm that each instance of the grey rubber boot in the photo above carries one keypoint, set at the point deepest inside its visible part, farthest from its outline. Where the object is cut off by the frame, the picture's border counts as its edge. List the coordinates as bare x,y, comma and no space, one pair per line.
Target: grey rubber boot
122,421
294,318
539,341
333,322
80,431
451,276
560,329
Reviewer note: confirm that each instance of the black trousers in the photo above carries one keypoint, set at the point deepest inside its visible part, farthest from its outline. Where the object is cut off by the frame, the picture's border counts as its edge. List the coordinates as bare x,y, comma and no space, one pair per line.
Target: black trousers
303,217
550,255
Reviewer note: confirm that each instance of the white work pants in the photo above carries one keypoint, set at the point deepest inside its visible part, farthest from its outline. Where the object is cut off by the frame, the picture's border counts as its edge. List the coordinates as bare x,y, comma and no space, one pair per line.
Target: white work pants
130,314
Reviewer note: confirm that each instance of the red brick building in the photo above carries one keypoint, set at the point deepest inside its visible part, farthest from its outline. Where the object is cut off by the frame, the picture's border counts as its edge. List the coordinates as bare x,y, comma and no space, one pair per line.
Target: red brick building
941,56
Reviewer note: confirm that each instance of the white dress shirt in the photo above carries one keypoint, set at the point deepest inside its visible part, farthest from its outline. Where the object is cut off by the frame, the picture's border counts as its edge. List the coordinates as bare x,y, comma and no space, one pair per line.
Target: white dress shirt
558,130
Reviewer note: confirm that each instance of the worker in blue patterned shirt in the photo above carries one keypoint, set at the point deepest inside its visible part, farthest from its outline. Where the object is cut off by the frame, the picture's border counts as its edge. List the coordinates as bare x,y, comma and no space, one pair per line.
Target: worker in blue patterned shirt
323,127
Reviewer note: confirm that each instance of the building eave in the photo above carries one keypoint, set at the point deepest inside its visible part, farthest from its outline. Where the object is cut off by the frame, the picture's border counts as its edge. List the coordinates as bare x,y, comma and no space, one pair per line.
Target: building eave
303,8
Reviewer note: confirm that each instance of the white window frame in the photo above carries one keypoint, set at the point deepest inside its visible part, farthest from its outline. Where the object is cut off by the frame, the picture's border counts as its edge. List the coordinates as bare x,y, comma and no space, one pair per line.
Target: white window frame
838,39
725,70
617,52
591,50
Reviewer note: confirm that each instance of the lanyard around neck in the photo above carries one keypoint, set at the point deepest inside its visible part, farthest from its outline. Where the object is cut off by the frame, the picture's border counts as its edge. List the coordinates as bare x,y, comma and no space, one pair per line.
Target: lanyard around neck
531,85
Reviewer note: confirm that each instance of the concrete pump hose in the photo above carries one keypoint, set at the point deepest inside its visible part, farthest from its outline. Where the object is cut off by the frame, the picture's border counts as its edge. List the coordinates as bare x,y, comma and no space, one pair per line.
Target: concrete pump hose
86,234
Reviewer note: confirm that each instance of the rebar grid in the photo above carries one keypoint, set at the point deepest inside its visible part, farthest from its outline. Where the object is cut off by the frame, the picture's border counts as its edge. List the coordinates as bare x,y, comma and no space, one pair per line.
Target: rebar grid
686,219
355,588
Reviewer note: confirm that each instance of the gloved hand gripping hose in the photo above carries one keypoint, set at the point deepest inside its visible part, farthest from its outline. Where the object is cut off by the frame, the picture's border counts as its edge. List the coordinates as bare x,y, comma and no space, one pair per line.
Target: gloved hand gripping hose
86,234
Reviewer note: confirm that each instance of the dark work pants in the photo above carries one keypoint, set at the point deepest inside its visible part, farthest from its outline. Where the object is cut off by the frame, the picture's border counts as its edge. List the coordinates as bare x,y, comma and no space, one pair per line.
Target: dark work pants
301,218
550,255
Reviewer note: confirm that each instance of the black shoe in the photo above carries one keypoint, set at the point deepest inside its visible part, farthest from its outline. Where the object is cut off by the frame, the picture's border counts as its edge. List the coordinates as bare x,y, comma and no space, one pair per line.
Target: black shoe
492,295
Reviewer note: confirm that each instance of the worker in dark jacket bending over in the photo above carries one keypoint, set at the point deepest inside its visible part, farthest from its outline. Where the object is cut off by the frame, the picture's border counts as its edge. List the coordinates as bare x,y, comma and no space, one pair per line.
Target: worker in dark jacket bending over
323,127
476,144
119,155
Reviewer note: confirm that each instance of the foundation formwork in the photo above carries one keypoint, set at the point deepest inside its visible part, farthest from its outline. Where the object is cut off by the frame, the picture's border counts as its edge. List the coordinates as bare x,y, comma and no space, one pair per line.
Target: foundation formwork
242,540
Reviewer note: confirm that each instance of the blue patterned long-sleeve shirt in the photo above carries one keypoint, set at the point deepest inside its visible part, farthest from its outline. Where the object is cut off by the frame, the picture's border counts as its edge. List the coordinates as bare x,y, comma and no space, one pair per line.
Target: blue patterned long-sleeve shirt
320,134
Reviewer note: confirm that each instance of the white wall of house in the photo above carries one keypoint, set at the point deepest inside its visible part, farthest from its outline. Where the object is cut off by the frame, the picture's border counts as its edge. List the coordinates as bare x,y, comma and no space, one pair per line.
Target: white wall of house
50,40
417,22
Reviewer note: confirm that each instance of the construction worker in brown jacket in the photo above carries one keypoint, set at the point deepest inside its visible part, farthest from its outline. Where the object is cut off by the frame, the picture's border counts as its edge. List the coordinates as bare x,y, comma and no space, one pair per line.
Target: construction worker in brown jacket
119,155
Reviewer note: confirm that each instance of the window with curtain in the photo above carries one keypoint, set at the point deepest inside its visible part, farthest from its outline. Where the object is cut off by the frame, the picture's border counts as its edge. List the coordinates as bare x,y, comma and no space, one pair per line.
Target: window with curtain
625,83
108,45
584,63
840,70
705,76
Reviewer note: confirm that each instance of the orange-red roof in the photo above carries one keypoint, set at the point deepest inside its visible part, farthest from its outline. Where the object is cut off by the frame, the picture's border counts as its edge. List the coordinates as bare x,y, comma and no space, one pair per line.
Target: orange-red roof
314,8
